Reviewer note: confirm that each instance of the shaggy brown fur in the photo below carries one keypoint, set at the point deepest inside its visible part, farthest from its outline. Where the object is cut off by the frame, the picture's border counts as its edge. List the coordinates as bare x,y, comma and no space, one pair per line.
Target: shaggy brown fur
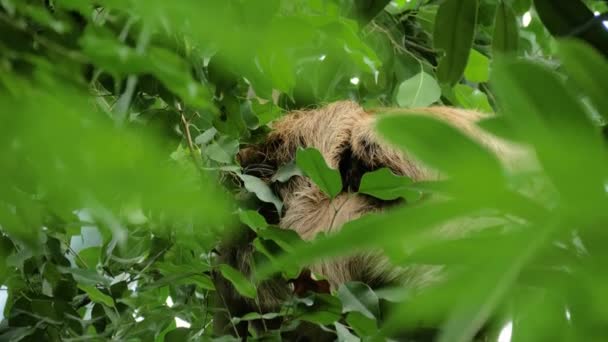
344,134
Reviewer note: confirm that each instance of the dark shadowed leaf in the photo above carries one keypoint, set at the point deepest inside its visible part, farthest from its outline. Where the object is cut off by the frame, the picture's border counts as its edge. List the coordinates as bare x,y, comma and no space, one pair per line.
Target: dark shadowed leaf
238,280
325,309
454,32
344,335
506,33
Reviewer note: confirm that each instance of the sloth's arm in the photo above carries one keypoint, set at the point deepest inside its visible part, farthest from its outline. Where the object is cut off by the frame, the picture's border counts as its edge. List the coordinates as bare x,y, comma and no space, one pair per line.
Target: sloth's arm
368,145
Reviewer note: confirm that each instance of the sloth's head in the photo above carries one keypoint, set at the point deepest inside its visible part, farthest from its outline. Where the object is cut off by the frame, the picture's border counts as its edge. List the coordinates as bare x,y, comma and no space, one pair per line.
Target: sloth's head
344,134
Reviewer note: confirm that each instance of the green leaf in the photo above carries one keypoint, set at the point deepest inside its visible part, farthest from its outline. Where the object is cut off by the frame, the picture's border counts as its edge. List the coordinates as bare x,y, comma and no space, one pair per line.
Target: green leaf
261,190
520,6
385,185
326,309
361,324
90,257
359,297
177,335
506,34
471,98
478,68
419,91
238,280
454,32
287,171
344,335
255,316
588,70
85,276
223,150
271,250
474,308
538,106
252,219
97,296
285,238
312,163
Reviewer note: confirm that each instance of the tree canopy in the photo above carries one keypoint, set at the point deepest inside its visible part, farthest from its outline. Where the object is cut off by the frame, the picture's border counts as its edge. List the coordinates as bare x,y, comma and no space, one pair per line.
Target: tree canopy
121,121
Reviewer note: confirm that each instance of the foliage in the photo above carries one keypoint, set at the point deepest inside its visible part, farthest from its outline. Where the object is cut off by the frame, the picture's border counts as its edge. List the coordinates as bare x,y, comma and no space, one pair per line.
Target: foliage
118,172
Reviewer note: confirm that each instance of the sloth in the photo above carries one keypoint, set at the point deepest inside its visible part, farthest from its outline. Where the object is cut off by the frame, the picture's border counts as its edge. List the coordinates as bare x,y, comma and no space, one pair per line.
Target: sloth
344,134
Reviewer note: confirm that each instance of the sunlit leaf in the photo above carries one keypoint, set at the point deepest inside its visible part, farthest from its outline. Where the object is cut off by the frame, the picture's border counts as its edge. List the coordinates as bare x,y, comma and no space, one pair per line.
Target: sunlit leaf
418,91
478,67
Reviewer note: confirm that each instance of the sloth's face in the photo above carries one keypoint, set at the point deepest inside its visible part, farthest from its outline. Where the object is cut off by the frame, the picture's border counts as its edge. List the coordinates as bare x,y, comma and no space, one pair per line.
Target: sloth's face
344,134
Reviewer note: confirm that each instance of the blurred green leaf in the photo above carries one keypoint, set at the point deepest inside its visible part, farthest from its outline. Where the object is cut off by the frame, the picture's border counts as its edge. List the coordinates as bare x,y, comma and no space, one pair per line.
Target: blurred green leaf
446,156
520,6
537,105
385,185
588,70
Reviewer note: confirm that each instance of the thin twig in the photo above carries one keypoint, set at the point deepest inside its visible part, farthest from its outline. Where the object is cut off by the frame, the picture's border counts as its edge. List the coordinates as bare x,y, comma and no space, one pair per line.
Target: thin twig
229,315
186,125
587,25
